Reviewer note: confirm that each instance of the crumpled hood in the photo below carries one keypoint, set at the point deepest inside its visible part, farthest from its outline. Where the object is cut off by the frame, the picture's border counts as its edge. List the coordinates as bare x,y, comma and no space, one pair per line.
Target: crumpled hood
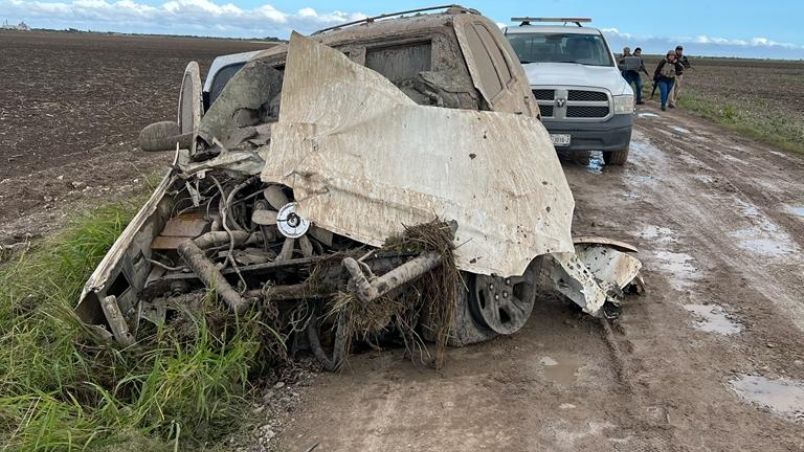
566,74
364,161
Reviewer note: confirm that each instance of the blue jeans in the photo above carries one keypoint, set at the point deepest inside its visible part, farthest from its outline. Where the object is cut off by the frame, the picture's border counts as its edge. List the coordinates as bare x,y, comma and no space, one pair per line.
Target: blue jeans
632,77
665,85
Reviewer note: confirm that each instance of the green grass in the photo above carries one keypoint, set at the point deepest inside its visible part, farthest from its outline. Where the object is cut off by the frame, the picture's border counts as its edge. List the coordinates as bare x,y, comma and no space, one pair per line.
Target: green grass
775,128
61,390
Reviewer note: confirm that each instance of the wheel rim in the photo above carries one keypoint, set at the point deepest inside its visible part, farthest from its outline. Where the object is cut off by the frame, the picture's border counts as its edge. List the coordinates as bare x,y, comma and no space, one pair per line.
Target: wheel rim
503,304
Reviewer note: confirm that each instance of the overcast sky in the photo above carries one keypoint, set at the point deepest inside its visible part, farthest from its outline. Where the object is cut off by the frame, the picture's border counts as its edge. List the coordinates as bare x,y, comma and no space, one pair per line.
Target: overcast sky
767,29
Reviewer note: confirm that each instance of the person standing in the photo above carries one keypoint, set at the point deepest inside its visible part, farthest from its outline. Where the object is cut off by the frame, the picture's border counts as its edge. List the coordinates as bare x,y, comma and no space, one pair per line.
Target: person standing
634,76
665,76
683,64
621,63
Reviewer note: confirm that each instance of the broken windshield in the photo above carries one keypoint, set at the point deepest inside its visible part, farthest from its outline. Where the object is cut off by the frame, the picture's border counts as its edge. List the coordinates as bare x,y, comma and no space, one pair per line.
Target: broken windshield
586,49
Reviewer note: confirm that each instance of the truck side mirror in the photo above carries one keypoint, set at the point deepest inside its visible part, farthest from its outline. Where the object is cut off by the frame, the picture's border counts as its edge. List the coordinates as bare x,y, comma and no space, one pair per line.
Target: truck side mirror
163,136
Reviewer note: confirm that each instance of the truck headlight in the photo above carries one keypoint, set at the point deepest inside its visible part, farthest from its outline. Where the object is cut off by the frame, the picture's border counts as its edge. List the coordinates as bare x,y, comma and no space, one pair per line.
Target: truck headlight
623,105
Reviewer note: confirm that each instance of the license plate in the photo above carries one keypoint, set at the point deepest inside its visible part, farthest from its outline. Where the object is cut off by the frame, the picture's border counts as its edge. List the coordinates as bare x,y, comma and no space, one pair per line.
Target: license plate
560,139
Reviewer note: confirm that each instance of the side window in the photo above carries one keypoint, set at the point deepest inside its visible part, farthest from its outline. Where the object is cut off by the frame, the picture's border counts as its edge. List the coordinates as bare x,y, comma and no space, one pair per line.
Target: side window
221,79
496,54
402,62
489,81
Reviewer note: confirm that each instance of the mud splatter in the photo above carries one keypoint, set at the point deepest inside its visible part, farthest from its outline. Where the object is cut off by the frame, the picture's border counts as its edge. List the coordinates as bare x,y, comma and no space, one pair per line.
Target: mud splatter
783,397
713,318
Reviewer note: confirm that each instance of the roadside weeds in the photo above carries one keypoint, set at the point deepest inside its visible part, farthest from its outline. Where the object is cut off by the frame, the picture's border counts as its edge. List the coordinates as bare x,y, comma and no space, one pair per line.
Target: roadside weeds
60,389
782,131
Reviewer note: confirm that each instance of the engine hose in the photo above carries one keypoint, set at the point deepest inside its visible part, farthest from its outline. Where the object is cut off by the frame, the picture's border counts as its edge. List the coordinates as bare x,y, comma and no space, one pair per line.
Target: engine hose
192,251
339,348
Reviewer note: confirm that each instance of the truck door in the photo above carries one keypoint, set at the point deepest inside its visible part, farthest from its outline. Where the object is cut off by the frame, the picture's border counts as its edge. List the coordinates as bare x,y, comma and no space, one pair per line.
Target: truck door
492,73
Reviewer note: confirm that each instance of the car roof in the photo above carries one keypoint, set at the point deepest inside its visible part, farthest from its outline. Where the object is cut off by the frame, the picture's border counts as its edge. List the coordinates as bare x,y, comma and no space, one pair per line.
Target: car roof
516,29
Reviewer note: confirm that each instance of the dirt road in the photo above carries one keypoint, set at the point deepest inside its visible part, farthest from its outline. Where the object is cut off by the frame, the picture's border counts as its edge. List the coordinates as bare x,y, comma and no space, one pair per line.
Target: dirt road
719,223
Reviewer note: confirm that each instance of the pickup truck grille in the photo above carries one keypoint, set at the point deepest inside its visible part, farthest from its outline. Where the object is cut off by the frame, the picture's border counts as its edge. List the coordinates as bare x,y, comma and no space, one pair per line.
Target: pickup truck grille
587,112
544,94
574,94
556,103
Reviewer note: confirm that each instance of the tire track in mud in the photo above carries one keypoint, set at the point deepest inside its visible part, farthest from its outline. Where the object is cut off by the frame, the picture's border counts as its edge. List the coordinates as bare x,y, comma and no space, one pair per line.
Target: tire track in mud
735,222
681,233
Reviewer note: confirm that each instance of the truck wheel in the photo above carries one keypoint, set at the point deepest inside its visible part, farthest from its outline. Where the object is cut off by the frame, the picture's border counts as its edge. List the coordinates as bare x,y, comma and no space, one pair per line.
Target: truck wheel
480,317
503,305
465,329
616,157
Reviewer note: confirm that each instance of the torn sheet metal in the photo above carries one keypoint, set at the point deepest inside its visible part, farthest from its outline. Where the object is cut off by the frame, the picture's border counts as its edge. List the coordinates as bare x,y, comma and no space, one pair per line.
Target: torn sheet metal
191,105
594,274
363,160
245,101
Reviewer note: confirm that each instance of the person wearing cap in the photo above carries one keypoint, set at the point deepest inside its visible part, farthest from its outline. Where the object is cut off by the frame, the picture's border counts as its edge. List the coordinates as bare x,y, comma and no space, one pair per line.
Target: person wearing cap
665,76
683,64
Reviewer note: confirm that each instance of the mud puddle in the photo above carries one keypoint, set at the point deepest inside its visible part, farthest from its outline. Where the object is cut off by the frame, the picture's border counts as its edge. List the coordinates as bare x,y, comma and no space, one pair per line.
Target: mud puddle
713,318
647,115
764,237
795,210
783,397
681,266
596,163
563,372
679,129
658,234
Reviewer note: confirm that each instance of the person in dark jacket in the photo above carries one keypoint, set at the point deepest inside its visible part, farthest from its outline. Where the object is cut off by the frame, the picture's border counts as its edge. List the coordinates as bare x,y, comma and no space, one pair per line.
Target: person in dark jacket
630,67
665,76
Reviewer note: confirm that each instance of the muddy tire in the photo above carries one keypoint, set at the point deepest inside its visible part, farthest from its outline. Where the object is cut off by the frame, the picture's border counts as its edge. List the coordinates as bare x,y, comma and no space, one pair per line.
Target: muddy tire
465,328
616,157
468,326
578,157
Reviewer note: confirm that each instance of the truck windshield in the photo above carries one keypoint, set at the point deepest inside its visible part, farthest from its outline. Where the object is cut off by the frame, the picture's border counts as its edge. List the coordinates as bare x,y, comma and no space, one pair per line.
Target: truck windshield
590,50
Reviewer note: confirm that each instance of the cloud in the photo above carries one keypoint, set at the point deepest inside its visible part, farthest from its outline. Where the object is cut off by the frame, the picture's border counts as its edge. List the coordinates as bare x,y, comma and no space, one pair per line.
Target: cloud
753,42
173,16
616,32
757,47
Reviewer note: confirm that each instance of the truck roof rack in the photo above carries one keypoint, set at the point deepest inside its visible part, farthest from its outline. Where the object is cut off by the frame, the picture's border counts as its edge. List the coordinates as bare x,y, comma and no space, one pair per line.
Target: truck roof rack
527,20
387,15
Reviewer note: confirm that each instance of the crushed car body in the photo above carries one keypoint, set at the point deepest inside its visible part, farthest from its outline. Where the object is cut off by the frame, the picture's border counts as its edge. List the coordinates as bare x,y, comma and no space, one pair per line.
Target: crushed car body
296,183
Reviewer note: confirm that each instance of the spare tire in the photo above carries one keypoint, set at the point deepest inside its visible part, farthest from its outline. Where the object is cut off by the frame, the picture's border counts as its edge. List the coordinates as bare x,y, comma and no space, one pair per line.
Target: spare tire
163,136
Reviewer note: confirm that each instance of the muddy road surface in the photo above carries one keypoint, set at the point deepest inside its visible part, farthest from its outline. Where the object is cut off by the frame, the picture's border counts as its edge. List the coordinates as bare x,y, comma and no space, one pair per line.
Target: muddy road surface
711,358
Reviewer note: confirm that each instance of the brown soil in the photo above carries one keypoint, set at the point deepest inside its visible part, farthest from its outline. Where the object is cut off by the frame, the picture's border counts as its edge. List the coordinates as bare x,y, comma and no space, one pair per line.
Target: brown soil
71,106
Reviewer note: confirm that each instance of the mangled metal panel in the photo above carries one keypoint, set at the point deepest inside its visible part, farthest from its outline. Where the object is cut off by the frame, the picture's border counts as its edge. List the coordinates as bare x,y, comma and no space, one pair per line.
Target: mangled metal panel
245,102
363,160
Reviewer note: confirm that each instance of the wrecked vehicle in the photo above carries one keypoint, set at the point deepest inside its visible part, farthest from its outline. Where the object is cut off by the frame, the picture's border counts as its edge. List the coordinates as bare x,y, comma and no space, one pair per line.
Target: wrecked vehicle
342,169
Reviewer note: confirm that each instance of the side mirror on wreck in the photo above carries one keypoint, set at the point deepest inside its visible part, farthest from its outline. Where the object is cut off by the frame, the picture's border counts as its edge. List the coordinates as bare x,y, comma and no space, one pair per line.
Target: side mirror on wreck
163,136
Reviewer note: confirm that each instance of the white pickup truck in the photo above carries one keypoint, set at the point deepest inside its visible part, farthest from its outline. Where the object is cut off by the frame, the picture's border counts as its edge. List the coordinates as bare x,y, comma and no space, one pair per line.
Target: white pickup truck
585,103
